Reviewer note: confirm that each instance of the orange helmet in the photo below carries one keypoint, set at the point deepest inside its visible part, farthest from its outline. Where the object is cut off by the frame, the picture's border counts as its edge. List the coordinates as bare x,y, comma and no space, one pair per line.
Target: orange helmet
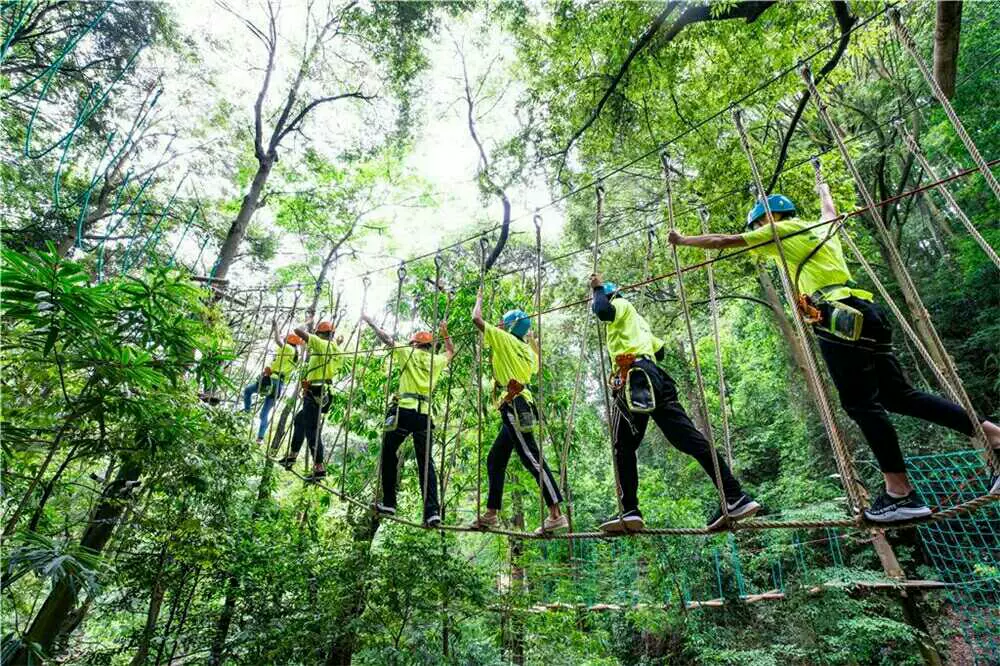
293,339
324,327
422,338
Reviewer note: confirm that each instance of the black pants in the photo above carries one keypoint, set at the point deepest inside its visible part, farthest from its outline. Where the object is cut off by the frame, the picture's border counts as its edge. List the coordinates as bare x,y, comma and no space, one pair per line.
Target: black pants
870,383
410,422
675,425
510,439
315,403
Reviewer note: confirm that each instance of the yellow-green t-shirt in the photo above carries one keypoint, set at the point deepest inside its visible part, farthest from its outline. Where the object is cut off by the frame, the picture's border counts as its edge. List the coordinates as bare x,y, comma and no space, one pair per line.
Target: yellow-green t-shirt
324,358
629,333
284,361
825,268
512,359
415,375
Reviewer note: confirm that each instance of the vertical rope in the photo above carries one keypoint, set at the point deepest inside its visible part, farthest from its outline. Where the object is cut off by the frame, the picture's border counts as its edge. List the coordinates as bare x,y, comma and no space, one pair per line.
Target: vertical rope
442,476
918,154
911,47
483,248
291,375
720,370
906,281
428,440
602,351
401,277
839,447
365,283
700,381
541,368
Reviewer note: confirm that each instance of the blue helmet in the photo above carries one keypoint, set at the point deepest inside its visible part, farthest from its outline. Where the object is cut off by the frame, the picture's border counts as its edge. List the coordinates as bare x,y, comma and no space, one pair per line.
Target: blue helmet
778,203
517,323
610,288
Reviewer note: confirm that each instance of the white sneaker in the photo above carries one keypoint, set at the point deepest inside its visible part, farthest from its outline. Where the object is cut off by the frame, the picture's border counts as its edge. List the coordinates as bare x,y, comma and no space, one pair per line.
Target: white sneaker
553,524
433,520
995,488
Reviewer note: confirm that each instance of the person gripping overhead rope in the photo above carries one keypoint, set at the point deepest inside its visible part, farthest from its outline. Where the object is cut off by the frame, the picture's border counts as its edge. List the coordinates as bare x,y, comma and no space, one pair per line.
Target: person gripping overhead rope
275,377
855,339
411,413
325,363
514,362
642,389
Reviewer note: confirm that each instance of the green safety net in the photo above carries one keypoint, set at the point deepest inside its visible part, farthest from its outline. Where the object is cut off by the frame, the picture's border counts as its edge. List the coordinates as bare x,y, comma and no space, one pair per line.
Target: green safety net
965,550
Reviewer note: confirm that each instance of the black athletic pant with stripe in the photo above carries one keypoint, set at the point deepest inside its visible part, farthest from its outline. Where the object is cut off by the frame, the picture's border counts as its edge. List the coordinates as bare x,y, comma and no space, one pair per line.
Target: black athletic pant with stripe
410,422
871,383
315,403
675,425
510,439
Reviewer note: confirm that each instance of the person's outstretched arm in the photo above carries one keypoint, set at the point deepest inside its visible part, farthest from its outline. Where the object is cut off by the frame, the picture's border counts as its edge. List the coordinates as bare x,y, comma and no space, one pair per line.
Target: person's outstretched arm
301,330
379,333
826,205
708,241
601,306
477,311
274,333
449,346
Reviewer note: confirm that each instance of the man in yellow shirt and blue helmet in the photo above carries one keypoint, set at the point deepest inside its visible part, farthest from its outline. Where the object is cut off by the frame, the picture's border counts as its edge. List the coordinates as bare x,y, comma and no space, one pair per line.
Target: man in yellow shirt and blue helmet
855,338
411,413
515,362
642,389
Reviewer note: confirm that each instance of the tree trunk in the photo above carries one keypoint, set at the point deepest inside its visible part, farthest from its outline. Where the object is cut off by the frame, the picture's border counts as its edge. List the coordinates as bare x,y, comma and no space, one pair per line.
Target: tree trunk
318,290
345,640
796,351
699,414
921,323
227,253
225,621
48,624
153,614
946,34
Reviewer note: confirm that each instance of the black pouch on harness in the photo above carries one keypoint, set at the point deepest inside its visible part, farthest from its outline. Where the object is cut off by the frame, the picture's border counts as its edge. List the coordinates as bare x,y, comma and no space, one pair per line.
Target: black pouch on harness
842,321
639,394
524,414
392,416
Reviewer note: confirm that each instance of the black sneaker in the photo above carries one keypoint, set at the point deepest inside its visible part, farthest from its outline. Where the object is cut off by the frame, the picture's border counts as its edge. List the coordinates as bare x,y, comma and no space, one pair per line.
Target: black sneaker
317,474
743,506
287,462
630,521
889,509
384,509
432,520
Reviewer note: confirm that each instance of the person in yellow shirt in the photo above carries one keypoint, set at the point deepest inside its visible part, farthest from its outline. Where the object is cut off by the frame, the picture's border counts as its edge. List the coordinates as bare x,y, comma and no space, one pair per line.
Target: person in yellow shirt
514,362
411,413
855,339
642,390
325,361
276,375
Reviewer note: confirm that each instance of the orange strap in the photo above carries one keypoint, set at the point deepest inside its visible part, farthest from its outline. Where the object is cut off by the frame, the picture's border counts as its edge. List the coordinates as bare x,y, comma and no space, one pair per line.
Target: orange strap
624,363
808,309
514,389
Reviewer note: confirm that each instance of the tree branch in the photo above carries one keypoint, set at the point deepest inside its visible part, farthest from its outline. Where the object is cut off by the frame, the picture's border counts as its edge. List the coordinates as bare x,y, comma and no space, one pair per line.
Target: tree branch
846,21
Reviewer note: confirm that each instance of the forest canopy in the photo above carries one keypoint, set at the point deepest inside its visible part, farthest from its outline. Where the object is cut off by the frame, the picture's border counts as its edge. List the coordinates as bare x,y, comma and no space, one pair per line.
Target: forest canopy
227,229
